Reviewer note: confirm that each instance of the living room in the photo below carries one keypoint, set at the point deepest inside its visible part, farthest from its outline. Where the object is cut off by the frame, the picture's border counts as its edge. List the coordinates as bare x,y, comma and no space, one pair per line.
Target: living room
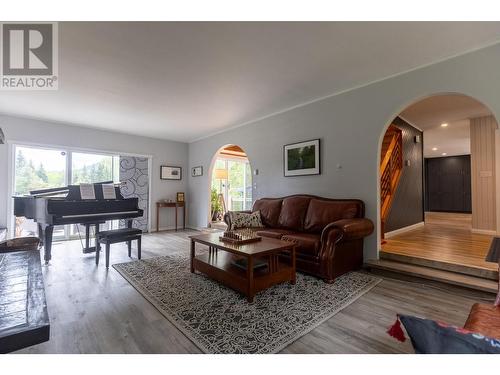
214,187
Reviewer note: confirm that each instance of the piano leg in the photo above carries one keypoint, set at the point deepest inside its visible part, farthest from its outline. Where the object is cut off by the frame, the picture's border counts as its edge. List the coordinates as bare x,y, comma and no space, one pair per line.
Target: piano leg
40,234
87,236
97,244
47,242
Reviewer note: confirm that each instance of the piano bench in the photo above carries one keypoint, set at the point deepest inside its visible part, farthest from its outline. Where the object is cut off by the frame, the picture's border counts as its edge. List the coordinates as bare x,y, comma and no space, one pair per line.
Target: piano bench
110,237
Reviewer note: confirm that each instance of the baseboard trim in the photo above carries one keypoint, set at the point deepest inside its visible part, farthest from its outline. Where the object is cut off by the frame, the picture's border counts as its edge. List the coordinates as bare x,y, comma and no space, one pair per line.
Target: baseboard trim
484,231
403,230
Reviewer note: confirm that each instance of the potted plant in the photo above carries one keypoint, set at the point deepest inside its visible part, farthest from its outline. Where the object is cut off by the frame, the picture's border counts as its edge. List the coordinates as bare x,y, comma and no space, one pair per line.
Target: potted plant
216,206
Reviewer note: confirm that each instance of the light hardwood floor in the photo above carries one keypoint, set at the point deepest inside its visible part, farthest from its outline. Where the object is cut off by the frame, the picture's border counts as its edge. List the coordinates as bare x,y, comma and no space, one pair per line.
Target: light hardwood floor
445,237
96,311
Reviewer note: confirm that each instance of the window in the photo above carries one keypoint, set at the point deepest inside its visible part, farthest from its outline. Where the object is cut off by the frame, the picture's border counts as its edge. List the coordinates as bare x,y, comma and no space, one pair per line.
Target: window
42,168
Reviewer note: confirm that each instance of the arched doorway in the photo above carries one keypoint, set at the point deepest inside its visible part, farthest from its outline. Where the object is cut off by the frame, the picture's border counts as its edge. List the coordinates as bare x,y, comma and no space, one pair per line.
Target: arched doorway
438,179
230,183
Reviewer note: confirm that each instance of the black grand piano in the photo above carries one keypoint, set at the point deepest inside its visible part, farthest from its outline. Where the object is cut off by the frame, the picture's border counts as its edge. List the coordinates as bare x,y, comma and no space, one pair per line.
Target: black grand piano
61,206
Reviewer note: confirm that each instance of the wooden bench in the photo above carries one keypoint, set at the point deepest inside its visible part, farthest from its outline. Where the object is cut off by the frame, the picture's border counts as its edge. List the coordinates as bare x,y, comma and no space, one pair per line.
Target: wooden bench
110,237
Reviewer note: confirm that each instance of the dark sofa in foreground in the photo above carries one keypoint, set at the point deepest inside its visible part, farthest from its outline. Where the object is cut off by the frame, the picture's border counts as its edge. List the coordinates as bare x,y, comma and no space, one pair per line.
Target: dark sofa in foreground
329,232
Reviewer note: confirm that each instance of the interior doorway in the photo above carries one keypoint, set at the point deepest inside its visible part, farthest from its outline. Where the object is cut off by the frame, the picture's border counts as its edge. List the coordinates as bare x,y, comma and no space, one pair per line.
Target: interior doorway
230,184
438,185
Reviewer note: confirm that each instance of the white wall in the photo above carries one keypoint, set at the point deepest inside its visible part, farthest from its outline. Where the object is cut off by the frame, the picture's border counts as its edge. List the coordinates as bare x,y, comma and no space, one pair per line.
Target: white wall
350,126
42,132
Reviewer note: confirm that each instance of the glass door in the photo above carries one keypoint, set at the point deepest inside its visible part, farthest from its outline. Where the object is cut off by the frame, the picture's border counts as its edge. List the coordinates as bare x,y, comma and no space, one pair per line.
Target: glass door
240,185
236,187
38,168
92,168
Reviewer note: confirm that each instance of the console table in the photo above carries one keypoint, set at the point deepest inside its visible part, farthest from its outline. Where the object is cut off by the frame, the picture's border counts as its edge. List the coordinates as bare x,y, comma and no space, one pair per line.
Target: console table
174,205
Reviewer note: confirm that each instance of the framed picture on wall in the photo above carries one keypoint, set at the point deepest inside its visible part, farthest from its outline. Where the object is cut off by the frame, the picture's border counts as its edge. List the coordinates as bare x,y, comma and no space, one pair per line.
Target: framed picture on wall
302,159
170,173
197,171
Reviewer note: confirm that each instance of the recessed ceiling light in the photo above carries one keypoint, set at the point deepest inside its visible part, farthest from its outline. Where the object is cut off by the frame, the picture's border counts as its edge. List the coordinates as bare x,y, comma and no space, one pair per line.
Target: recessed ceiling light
444,154
434,149
444,125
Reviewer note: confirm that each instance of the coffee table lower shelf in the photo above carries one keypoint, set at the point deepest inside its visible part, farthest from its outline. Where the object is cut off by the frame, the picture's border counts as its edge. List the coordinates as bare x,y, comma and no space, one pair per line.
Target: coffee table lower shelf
218,266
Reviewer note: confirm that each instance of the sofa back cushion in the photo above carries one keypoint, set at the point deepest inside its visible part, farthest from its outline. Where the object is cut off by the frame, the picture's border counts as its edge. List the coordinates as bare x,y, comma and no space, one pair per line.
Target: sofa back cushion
293,212
323,212
269,211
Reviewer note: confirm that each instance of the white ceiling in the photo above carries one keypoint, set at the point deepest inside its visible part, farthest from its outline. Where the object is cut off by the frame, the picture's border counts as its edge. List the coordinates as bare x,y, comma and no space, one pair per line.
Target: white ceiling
454,110
183,81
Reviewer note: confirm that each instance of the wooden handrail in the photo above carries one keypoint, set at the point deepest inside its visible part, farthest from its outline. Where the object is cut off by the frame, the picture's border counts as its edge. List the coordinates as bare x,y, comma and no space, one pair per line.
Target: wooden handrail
390,172
388,154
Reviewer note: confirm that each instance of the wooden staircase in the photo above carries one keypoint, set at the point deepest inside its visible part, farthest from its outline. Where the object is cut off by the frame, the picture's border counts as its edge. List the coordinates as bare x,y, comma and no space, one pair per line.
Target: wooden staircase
391,166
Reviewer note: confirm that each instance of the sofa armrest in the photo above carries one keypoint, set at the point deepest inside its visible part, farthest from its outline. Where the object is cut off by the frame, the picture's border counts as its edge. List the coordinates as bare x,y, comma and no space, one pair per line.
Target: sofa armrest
227,218
347,229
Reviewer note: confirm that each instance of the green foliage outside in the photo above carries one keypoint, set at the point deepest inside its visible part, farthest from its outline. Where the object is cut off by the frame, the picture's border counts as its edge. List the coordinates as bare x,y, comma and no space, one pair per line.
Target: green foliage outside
214,199
98,172
32,177
301,158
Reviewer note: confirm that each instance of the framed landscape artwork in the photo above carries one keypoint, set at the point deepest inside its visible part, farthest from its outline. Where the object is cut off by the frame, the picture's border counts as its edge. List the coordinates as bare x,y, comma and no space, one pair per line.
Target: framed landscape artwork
170,173
302,159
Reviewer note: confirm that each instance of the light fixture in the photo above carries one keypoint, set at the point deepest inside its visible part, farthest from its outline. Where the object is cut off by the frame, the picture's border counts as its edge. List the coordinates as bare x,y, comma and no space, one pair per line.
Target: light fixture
221,174
444,124
434,149
444,154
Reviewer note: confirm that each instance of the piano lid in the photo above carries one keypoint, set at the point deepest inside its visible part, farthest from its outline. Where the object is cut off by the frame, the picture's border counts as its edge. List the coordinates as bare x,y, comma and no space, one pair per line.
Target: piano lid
73,191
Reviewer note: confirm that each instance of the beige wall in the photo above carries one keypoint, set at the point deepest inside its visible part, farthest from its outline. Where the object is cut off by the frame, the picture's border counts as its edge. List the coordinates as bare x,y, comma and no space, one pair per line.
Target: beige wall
482,137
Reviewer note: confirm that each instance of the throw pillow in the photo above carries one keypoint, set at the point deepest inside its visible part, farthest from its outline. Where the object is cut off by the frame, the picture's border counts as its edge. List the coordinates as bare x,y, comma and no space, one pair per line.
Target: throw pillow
431,337
244,220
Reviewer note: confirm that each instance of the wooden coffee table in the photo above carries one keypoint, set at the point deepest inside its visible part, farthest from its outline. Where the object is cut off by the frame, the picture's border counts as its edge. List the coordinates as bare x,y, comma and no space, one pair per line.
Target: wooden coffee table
219,266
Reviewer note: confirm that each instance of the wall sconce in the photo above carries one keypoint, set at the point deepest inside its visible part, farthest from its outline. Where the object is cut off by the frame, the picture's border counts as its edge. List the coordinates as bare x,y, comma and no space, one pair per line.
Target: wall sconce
2,137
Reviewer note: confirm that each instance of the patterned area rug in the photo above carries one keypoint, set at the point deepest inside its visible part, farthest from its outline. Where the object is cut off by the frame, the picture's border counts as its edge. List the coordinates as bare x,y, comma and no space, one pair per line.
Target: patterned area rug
220,320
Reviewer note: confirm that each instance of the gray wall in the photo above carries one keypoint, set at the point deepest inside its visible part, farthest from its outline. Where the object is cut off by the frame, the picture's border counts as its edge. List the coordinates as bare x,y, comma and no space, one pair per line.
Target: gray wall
351,126
42,132
407,207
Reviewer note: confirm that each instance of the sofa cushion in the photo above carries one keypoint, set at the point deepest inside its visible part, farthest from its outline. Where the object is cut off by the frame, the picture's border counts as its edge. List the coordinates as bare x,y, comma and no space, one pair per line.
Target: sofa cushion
308,243
484,319
273,232
322,212
431,337
269,211
293,212
245,220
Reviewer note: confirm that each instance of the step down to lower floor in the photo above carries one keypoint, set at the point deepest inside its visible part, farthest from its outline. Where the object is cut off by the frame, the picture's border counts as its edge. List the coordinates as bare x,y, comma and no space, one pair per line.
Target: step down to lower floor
486,272
465,281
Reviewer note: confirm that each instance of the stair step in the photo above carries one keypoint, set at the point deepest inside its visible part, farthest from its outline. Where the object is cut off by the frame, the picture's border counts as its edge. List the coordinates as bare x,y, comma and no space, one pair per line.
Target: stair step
485,273
433,274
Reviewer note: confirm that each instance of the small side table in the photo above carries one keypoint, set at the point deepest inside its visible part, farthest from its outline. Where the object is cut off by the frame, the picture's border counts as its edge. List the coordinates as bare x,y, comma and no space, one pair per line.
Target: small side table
174,205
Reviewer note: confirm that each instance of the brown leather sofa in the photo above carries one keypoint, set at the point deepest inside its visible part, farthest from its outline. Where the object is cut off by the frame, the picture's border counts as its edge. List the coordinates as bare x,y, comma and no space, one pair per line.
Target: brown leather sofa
329,232
484,319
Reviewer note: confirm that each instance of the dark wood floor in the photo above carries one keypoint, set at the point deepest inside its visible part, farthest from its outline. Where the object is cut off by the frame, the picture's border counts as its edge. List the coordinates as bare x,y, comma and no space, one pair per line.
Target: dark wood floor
96,311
